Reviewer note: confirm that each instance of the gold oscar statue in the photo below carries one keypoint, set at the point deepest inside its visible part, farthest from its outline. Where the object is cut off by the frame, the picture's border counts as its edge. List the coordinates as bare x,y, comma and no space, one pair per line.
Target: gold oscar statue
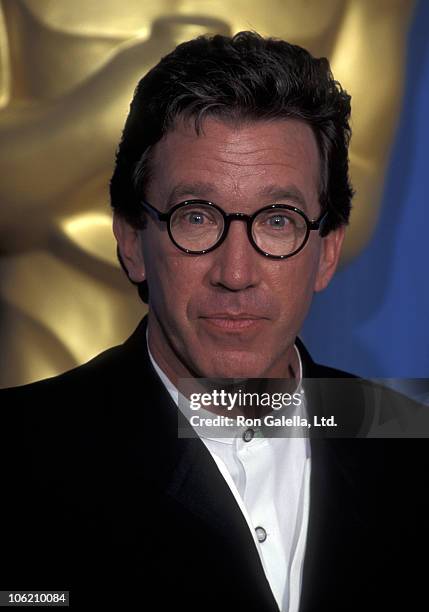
67,73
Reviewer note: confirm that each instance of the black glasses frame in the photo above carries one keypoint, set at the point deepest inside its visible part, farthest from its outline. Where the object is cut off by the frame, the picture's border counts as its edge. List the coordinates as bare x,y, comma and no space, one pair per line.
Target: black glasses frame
165,217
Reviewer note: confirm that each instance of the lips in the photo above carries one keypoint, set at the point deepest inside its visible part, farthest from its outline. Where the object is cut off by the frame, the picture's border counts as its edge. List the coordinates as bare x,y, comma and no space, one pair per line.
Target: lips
232,322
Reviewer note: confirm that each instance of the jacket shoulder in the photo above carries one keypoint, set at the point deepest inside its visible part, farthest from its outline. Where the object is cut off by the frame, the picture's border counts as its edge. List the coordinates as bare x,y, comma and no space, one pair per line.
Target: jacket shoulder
322,371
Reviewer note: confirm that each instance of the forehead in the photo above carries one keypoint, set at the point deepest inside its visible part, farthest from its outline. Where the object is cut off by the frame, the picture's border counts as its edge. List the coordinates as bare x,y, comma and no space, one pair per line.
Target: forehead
238,161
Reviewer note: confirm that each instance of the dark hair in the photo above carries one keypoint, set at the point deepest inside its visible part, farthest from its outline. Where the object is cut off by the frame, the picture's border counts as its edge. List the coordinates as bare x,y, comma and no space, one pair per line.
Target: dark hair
244,77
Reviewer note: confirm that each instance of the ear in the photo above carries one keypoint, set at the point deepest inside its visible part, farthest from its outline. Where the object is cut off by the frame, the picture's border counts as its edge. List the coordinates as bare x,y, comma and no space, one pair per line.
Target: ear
329,256
130,248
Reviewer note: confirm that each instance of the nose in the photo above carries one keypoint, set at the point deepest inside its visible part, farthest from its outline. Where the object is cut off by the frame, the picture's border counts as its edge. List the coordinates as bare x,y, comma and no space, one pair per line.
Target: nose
235,266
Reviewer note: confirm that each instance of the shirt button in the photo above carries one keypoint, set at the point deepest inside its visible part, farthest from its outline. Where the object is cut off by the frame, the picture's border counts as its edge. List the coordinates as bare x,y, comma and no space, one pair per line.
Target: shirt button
248,435
261,534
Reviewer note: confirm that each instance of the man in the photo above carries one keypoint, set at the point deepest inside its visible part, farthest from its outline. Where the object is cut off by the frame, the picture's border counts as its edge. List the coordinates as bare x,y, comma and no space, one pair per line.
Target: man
230,197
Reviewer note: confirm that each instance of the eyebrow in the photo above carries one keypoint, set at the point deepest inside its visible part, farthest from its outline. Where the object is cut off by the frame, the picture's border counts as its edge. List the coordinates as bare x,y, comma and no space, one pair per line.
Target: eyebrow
205,190
185,189
291,192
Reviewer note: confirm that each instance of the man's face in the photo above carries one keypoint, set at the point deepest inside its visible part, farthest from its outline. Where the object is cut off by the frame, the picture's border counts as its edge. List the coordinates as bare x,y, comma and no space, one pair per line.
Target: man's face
231,312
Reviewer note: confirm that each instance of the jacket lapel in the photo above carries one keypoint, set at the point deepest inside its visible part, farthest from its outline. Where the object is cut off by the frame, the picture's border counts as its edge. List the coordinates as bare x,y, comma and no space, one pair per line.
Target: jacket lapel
184,471
336,535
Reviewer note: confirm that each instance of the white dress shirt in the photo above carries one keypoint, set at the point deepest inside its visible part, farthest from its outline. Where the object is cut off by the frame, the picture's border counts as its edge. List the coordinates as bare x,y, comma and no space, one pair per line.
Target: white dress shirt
270,481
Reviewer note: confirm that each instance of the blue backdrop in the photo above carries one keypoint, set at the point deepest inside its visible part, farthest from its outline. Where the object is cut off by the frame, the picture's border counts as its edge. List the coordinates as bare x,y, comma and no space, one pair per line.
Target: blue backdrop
373,319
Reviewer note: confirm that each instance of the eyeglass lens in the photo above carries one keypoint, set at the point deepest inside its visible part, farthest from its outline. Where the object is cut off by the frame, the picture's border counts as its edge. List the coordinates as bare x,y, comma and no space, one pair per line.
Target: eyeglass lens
278,232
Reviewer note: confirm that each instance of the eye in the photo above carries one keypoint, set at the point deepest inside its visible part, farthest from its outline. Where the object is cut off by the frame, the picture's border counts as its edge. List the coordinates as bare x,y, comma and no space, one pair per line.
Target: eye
195,218
278,221
198,217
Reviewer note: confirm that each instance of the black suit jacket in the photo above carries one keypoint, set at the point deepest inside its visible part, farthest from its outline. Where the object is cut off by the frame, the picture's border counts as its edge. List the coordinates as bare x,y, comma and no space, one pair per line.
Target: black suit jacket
101,497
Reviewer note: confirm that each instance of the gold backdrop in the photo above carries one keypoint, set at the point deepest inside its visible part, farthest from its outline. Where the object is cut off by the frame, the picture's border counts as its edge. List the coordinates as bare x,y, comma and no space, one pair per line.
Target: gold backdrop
67,72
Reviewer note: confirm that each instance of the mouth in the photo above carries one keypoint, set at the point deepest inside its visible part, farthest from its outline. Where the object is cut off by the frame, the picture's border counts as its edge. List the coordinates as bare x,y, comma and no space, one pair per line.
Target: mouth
232,322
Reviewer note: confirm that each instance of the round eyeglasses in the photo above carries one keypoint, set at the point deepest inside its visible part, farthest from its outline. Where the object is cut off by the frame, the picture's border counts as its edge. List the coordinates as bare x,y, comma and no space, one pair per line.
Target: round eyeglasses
197,227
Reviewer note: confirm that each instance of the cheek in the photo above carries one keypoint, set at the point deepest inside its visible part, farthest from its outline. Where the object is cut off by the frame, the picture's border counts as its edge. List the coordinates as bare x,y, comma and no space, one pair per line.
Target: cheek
173,277
294,285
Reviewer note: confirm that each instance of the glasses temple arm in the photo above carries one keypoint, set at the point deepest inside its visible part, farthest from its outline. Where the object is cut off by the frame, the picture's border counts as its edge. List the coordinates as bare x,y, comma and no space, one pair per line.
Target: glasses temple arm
154,212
